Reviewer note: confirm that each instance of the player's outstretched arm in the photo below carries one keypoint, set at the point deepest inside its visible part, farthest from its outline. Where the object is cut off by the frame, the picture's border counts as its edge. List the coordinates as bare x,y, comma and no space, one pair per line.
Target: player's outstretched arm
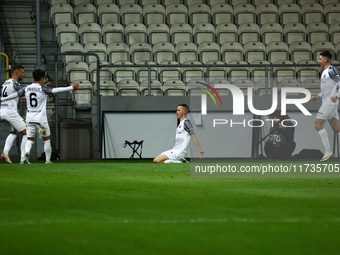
196,142
14,95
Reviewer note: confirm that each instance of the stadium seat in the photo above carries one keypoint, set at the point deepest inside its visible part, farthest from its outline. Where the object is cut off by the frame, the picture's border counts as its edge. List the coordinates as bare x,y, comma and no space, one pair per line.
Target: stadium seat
128,88
231,51
271,32
163,52
226,32
312,84
209,51
294,32
191,2
214,2
283,72
140,52
325,2
284,83
69,47
248,32
289,13
118,52
124,2
176,13
61,13
305,72
222,92
260,86
122,72
85,13
281,2
318,47
173,72
257,73
237,72
332,13
277,51
267,13
77,71
107,88
204,32
192,72
334,32
142,72
259,2
244,13
304,2
105,73
337,50
233,3
199,13
131,13
54,2
192,88
216,72
254,51
146,2
156,88
99,2
97,48
153,13
113,33
76,2
168,2
90,32
312,13
174,88
186,52
222,13
83,95
244,84
135,33
181,32
317,32
108,13
67,32
300,51
158,33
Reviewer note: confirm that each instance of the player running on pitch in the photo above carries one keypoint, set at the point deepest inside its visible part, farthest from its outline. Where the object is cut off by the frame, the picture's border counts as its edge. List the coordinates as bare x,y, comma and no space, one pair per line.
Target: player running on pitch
36,118
329,108
184,132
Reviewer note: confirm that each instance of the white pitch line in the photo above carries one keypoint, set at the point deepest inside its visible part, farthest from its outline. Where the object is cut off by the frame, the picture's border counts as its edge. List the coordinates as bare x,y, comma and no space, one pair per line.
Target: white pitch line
240,220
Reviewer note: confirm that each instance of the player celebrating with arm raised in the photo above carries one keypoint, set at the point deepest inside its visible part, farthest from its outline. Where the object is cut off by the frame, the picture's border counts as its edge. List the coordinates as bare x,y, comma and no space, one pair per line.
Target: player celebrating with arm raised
36,118
184,132
329,108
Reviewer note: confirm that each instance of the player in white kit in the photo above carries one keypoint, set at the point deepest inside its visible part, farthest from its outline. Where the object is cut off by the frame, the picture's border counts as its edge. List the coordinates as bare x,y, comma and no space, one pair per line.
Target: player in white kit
36,118
184,132
329,109
9,113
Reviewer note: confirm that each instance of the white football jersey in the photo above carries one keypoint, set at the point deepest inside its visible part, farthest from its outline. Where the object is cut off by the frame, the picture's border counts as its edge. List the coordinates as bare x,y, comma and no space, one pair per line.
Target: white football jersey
183,132
10,107
329,79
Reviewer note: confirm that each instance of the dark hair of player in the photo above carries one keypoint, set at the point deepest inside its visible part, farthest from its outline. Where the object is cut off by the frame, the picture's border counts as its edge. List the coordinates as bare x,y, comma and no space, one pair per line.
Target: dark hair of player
185,106
326,54
38,74
16,68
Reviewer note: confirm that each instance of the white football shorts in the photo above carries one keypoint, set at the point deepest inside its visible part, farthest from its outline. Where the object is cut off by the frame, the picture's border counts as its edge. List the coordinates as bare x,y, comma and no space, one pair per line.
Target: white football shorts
174,154
14,122
44,129
328,112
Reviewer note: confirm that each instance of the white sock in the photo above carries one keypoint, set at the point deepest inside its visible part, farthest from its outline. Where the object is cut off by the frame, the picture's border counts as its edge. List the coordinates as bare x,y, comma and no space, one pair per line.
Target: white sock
9,142
28,146
172,161
48,150
23,144
324,138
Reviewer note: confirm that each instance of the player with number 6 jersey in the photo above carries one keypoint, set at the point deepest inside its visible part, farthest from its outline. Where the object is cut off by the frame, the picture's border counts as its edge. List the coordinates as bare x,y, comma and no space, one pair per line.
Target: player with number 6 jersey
36,118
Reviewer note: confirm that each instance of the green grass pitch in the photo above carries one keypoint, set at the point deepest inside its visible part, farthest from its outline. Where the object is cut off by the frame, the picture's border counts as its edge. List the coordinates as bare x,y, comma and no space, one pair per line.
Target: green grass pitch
134,207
